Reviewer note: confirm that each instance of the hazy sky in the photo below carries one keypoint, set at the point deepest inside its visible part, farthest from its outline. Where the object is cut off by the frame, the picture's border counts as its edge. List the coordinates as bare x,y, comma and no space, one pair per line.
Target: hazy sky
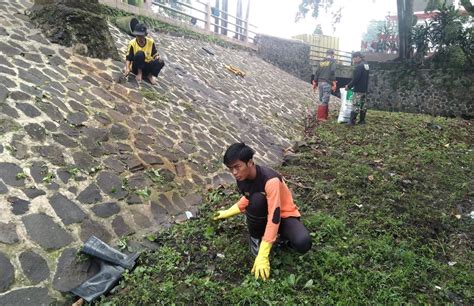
277,18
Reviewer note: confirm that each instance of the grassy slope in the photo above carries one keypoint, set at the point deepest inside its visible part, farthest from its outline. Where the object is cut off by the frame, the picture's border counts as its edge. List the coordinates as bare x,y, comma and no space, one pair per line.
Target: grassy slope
382,202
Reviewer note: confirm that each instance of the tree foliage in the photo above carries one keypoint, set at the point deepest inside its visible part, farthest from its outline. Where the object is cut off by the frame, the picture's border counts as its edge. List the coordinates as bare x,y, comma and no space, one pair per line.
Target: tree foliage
318,30
312,6
448,36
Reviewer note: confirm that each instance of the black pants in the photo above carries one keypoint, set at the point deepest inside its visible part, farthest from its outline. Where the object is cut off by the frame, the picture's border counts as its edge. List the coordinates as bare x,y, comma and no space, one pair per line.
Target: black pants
290,228
153,67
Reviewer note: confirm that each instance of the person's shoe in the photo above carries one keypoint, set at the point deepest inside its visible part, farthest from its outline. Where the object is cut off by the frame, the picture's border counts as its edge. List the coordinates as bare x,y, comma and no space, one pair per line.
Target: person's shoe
254,244
322,112
362,116
352,120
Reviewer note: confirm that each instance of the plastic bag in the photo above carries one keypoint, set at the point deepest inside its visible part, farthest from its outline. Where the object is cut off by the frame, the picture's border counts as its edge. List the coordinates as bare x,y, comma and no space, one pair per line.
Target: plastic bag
346,106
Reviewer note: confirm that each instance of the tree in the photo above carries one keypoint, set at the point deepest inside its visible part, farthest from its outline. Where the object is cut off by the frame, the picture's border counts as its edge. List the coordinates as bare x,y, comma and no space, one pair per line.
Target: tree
314,6
373,30
318,30
468,6
405,20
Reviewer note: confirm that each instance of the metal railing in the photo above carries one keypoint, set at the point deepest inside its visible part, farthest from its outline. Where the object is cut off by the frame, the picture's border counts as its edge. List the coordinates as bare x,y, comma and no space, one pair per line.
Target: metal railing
205,15
318,53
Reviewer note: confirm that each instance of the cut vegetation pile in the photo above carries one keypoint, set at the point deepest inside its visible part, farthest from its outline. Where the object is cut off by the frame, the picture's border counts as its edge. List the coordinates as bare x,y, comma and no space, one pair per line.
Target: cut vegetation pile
389,206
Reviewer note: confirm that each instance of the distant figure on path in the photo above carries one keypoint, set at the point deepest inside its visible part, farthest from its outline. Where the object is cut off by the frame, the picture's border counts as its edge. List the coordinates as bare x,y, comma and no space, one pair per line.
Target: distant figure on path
359,85
142,56
268,206
325,79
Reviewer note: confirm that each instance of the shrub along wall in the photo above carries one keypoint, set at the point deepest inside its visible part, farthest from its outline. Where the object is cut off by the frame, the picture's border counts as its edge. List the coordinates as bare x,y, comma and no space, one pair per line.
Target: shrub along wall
444,92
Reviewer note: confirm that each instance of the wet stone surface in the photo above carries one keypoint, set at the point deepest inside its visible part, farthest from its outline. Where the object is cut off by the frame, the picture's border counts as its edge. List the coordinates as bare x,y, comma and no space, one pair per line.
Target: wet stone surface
106,210
33,192
28,296
8,273
120,227
9,172
18,206
44,231
90,195
111,184
67,210
91,228
8,233
34,266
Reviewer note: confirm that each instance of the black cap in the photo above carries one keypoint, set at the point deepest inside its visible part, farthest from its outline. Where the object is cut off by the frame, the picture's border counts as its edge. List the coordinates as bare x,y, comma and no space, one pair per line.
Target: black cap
357,54
330,52
140,30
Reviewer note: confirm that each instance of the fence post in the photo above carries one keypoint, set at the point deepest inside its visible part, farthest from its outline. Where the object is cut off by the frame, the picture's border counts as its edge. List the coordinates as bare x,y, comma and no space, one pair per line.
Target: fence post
207,26
246,30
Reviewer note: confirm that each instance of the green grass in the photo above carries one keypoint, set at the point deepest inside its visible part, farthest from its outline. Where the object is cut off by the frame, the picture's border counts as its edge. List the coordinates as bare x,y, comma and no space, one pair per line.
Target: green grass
387,205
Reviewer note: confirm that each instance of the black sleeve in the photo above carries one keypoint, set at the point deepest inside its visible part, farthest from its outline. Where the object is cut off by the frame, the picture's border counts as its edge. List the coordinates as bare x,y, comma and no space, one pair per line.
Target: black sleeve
356,76
316,74
333,71
130,54
153,50
312,78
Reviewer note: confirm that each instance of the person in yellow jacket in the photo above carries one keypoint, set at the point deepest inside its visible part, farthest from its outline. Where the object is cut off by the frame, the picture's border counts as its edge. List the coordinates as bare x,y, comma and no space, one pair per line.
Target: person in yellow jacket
268,205
142,57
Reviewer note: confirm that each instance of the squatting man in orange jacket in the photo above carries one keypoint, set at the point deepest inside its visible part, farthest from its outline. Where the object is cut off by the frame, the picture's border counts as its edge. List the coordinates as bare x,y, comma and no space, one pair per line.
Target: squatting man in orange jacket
268,206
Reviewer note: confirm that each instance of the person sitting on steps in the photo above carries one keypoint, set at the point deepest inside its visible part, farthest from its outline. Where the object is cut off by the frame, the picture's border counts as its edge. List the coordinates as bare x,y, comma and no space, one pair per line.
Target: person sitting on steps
142,56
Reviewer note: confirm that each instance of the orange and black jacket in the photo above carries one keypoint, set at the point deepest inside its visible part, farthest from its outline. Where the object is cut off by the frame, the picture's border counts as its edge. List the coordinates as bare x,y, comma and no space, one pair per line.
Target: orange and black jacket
279,199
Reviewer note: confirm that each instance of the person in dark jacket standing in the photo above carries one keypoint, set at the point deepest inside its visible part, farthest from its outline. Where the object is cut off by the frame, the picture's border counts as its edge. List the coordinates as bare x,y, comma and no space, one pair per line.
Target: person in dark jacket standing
142,56
325,79
359,85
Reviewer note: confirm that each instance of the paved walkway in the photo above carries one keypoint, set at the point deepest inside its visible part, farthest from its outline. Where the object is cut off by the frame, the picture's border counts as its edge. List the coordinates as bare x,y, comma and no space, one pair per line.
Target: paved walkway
81,154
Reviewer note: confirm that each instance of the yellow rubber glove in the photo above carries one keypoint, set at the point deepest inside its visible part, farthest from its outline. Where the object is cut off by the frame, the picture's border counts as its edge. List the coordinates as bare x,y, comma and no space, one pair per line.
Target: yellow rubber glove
224,214
261,266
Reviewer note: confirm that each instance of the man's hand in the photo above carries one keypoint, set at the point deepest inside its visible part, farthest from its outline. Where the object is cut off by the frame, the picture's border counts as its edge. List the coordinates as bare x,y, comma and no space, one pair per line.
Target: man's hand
334,86
224,214
261,266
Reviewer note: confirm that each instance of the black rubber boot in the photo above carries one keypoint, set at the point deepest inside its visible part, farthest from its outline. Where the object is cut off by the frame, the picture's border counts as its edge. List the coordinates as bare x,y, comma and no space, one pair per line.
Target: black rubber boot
254,244
97,248
362,116
101,283
352,120
256,226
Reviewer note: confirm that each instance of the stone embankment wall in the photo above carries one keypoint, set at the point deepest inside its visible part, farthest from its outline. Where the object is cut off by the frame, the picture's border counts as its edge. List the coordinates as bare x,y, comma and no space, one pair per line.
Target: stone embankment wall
443,92
289,55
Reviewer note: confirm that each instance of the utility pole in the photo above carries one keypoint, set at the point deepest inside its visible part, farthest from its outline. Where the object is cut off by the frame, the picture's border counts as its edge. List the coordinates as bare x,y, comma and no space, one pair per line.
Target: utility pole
225,9
216,20
238,27
246,30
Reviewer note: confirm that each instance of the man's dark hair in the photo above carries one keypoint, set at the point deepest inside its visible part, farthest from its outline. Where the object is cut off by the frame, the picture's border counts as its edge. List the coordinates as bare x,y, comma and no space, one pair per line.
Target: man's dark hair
238,151
357,54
